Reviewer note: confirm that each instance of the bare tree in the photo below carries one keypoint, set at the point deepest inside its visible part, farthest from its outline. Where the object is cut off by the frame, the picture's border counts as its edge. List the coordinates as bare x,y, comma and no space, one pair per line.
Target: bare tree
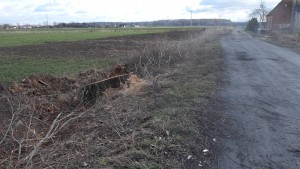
260,13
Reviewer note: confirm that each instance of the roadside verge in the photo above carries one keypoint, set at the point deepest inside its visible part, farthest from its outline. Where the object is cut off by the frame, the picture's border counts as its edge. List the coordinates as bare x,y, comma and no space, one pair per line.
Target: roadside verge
165,118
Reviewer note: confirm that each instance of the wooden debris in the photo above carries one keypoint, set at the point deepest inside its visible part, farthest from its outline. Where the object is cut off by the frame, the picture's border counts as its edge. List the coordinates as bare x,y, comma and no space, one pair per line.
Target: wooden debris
92,91
43,83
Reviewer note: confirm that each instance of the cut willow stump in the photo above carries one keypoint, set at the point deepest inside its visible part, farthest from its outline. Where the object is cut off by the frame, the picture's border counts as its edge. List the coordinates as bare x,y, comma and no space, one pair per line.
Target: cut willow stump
91,92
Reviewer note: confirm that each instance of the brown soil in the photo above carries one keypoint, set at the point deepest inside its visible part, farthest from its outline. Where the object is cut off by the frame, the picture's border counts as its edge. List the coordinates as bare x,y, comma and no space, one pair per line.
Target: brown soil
117,47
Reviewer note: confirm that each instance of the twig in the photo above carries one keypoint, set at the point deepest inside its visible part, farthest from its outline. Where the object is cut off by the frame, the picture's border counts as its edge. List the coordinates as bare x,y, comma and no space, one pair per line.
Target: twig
37,146
68,121
11,121
54,129
43,83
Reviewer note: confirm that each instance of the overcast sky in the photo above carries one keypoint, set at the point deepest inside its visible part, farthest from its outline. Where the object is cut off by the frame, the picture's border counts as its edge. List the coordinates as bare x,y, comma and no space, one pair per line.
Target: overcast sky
35,11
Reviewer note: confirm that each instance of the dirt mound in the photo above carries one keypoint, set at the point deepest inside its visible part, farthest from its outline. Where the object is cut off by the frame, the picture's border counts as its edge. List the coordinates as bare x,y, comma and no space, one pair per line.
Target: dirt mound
54,101
48,94
38,85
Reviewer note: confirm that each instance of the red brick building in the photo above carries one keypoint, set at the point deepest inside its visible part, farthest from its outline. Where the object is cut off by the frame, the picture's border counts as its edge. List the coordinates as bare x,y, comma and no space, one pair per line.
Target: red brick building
285,16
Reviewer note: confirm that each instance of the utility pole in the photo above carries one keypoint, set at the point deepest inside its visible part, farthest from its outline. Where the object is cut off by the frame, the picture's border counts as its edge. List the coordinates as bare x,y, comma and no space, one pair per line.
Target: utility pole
47,22
293,16
191,18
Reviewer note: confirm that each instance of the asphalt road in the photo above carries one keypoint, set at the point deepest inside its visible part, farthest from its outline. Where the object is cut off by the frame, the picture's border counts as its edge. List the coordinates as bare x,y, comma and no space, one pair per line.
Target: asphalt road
262,96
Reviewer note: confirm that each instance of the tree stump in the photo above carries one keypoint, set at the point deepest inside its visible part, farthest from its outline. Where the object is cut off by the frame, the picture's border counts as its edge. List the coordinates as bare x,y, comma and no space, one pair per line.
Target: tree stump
91,92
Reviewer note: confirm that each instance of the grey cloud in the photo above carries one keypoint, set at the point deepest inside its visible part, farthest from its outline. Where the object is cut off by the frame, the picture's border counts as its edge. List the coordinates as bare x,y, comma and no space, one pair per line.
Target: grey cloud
223,3
220,5
81,12
189,9
229,4
48,7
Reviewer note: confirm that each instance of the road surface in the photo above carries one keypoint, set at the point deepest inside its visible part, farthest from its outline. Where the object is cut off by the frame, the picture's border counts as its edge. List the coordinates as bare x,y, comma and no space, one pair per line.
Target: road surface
262,94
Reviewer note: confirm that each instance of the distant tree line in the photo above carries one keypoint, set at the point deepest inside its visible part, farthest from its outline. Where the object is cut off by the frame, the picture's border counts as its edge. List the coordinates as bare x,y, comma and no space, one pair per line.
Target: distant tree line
178,22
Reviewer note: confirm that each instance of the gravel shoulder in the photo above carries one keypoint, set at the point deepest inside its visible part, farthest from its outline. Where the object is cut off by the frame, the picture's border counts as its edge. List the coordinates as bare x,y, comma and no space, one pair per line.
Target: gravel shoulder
261,94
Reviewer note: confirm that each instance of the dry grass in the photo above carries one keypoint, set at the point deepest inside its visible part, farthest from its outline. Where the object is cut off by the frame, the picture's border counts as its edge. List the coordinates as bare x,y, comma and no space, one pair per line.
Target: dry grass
283,39
164,119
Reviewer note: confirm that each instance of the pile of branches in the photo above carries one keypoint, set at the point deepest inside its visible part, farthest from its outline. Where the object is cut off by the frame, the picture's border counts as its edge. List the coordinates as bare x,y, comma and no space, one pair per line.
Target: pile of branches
37,109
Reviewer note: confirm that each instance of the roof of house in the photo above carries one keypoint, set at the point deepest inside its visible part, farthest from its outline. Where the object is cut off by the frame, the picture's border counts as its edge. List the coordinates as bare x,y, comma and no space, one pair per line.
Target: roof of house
283,2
